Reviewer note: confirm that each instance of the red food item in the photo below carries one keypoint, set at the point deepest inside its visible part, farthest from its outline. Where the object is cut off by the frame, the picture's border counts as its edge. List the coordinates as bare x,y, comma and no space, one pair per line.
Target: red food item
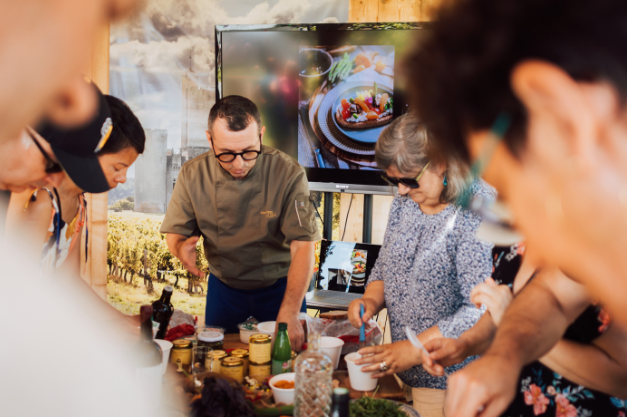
345,104
179,331
346,114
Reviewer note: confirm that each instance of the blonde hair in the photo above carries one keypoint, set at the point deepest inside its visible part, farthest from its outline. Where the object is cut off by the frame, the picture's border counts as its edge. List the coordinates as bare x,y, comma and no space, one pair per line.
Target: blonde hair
406,145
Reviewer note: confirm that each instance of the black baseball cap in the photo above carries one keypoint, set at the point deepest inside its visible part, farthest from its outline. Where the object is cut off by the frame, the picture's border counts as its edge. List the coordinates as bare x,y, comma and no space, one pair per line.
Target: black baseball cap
77,148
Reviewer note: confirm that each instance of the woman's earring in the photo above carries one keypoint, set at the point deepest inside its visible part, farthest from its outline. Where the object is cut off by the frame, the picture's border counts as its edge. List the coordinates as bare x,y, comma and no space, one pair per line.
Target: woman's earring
444,182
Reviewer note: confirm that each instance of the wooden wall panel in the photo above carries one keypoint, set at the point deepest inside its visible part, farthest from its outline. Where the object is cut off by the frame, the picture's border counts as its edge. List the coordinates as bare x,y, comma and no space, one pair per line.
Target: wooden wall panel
362,11
355,223
400,11
95,270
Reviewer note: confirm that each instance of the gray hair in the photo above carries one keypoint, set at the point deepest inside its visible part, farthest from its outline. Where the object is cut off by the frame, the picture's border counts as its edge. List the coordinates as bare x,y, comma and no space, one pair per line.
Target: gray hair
406,145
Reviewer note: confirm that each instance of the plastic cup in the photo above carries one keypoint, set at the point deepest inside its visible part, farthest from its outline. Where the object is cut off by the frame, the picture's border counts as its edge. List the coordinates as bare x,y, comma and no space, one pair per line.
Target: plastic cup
284,396
360,381
332,347
166,347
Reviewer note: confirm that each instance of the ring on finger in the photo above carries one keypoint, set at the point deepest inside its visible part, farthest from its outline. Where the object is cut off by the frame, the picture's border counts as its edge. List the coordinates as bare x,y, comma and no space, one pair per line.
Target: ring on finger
383,366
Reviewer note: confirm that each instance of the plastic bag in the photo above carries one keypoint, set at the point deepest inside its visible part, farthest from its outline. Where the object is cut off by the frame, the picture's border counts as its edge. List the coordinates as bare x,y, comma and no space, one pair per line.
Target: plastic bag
179,317
344,330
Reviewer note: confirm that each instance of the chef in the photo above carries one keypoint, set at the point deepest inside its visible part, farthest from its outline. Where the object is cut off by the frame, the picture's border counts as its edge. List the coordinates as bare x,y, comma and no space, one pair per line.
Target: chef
250,203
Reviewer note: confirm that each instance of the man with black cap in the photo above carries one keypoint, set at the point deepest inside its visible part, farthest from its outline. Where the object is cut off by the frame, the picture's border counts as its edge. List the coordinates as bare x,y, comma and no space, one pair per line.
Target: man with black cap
45,155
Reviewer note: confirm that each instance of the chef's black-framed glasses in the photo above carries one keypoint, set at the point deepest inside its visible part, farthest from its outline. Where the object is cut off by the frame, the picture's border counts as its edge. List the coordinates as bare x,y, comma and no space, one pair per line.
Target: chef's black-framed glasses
246,155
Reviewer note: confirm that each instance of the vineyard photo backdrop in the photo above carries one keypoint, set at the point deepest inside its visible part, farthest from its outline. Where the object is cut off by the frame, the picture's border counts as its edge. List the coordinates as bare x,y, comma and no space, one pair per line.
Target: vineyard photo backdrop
162,65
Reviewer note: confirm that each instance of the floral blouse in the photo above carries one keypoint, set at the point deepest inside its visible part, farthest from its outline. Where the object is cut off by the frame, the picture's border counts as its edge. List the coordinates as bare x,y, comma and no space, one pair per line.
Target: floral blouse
542,392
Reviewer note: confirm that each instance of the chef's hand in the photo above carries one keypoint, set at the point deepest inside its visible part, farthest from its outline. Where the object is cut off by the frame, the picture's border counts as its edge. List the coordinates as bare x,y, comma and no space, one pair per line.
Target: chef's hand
495,297
443,352
354,311
294,329
398,357
484,388
187,255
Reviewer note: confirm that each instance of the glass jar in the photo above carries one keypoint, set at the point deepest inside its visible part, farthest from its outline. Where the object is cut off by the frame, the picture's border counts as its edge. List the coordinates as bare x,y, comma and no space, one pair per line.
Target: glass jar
314,372
233,367
213,362
259,371
214,340
182,353
260,348
243,355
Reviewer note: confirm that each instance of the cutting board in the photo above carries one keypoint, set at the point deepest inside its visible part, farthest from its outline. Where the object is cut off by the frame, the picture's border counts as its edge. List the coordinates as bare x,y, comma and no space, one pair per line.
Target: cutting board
388,387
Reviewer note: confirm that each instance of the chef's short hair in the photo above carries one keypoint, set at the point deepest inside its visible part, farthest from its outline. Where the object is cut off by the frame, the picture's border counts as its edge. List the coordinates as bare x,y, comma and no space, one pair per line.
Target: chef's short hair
238,111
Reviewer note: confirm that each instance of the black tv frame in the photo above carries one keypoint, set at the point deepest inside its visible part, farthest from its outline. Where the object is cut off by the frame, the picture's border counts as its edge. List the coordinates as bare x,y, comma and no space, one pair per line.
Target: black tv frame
359,182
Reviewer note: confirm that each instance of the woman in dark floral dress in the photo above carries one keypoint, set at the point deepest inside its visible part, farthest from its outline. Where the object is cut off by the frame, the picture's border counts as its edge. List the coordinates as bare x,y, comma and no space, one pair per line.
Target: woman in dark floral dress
541,391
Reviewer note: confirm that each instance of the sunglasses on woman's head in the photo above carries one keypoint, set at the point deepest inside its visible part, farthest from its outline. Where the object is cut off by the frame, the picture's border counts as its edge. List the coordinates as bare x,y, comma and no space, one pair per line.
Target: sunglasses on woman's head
407,182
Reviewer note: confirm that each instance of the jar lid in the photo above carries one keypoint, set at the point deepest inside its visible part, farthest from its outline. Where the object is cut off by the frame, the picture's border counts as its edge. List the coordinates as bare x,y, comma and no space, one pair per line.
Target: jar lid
182,343
240,353
269,363
219,353
232,361
210,336
260,338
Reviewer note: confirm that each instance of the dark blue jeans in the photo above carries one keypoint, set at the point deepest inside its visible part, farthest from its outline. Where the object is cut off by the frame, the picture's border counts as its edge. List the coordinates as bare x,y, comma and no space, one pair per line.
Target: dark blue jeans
227,307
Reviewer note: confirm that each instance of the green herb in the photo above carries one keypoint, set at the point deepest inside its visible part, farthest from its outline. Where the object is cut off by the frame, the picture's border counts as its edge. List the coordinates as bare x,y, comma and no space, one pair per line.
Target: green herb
375,89
351,100
370,407
355,116
341,69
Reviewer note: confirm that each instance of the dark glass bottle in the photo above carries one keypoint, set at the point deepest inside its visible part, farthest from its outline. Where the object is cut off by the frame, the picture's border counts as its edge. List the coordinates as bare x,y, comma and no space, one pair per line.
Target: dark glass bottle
148,352
162,311
340,403
282,352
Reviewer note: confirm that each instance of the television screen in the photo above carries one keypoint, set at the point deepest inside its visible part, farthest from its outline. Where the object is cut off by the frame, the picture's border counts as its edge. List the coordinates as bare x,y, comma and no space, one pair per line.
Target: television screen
325,92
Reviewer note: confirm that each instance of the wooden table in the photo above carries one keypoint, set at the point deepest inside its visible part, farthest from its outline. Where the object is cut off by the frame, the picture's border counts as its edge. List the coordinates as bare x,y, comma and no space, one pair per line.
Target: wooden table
178,399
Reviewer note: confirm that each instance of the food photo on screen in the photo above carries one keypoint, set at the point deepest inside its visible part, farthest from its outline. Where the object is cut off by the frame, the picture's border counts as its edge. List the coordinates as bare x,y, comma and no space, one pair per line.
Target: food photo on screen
346,99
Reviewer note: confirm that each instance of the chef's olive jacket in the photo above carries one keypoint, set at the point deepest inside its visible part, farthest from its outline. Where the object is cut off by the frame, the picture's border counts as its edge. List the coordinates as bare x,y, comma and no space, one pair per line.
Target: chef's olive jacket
248,224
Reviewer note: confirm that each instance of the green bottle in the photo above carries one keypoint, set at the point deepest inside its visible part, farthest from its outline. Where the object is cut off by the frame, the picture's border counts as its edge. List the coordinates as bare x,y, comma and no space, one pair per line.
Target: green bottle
282,352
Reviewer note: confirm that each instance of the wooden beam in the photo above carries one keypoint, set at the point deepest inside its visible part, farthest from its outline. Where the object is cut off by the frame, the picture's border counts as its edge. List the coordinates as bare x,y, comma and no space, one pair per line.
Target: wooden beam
354,225
95,269
362,11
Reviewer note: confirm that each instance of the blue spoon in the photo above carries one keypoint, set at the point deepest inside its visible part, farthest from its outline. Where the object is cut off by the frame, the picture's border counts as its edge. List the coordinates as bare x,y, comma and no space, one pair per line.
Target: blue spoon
362,330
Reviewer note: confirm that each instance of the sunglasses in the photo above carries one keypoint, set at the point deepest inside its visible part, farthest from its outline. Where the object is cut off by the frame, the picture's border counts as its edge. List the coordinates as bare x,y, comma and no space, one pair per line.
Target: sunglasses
496,219
407,182
246,155
52,166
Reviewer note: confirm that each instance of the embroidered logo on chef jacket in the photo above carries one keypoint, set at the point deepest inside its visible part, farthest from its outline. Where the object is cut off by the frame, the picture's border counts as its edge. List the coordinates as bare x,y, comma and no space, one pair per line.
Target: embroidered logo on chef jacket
269,214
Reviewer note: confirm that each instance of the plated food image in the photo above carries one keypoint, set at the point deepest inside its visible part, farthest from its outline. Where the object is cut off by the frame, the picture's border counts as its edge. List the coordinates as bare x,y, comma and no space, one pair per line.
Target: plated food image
365,110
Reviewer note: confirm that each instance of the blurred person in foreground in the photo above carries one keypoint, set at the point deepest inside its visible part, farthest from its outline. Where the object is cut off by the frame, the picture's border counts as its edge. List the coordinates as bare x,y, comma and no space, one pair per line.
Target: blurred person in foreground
59,33
429,262
534,93
251,205
51,218
579,375
70,360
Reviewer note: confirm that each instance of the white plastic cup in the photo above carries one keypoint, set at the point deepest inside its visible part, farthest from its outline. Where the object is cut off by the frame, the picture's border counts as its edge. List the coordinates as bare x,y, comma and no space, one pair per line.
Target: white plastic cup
166,347
284,396
332,347
360,381
267,327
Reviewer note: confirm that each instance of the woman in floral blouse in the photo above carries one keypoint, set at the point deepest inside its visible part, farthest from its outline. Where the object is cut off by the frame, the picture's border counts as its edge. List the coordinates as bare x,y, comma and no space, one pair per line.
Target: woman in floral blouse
577,390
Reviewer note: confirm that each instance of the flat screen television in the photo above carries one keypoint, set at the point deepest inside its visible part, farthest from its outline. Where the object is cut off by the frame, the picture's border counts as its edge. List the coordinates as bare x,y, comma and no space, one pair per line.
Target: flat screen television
325,92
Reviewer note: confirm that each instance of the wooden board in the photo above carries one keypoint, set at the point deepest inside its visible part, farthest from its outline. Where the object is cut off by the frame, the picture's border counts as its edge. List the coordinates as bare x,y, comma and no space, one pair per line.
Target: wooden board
388,387
94,270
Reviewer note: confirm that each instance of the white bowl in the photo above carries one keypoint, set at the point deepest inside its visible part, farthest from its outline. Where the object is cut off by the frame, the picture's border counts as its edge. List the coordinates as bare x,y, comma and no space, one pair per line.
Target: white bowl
283,396
267,327
332,347
360,381
244,335
165,351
